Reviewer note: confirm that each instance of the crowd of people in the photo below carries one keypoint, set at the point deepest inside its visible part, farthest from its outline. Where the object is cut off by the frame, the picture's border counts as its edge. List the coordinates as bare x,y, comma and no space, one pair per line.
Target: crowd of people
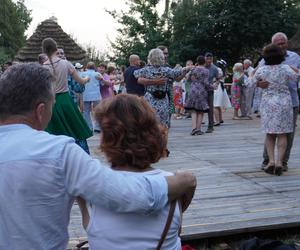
44,105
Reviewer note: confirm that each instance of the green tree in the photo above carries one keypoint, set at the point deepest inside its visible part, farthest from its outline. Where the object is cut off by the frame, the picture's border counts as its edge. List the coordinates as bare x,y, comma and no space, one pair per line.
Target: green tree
230,28
141,29
14,20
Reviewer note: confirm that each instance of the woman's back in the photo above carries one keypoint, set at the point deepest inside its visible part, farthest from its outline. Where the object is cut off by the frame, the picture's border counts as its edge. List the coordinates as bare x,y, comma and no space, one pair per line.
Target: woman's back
60,68
108,230
278,77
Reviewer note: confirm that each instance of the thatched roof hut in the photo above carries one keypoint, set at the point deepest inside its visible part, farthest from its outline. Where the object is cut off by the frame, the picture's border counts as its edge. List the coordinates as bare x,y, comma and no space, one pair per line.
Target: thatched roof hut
50,28
294,42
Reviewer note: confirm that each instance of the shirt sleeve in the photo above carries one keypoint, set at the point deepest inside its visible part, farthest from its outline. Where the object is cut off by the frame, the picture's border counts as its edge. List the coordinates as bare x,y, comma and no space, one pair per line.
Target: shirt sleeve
70,67
173,73
138,73
97,183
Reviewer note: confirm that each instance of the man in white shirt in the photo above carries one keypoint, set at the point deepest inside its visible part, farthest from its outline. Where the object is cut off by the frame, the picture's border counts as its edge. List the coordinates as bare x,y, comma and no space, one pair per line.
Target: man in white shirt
41,174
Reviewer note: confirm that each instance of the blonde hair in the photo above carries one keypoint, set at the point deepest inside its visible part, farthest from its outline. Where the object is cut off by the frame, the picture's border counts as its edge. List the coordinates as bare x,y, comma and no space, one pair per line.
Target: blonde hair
237,67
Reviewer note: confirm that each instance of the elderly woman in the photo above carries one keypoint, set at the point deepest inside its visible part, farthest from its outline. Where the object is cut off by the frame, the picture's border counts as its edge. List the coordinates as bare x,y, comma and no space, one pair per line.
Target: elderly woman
276,104
156,95
132,151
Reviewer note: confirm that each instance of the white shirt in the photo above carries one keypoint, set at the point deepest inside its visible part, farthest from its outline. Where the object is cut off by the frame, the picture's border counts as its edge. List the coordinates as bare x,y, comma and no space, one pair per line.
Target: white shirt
109,230
40,174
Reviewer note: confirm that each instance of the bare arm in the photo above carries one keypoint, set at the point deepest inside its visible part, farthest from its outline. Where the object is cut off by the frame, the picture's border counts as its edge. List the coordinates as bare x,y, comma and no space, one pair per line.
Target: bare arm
156,81
78,79
182,186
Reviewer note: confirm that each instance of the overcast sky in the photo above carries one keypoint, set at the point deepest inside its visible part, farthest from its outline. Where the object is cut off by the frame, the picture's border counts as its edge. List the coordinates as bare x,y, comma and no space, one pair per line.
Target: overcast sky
86,20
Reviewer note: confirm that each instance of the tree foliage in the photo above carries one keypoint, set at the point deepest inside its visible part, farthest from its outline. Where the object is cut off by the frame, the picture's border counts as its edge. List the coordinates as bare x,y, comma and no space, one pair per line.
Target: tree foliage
14,20
141,30
231,28
228,28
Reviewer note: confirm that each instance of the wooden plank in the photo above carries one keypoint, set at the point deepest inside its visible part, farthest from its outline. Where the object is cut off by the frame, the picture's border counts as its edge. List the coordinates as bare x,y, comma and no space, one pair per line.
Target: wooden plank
233,194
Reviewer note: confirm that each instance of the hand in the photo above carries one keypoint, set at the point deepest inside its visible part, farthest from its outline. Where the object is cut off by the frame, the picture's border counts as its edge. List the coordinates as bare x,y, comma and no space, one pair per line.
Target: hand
182,186
215,85
262,84
86,79
160,81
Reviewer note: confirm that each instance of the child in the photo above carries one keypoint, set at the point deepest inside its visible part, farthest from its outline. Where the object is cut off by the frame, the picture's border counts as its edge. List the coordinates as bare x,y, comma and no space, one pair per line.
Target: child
237,82
178,99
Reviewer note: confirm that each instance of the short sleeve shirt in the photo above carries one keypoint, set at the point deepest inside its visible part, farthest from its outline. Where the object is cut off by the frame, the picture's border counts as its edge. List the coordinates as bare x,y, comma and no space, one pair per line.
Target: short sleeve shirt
60,69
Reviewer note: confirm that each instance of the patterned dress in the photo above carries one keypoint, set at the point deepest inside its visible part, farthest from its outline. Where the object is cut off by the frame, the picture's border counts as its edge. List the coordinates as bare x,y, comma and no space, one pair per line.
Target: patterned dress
161,106
197,98
236,87
276,103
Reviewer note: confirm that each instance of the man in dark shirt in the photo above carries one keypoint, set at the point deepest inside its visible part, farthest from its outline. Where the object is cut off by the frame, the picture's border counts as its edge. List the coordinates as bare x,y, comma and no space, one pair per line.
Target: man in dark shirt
132,86
213,81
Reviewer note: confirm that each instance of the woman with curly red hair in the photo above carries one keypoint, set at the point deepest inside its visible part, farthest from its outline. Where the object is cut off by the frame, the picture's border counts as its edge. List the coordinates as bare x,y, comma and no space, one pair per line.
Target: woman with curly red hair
132,140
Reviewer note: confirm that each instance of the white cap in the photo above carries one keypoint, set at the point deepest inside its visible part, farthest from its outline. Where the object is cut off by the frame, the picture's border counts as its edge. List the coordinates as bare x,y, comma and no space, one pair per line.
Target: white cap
78,65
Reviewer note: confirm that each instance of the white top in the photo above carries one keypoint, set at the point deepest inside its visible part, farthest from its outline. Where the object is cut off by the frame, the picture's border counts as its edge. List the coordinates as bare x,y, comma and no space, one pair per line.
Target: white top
109,230
60,69
40,174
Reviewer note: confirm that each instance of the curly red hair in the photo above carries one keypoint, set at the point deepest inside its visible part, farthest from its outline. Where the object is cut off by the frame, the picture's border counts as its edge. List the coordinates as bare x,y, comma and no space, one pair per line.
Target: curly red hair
131,134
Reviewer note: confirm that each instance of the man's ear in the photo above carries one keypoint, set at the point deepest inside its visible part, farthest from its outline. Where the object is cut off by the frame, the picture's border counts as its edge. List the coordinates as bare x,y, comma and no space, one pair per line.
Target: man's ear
40,113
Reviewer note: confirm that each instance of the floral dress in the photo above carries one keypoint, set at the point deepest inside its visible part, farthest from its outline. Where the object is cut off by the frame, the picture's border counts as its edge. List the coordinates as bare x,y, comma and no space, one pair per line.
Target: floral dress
161,105
178,95
237,82
197,99
276,103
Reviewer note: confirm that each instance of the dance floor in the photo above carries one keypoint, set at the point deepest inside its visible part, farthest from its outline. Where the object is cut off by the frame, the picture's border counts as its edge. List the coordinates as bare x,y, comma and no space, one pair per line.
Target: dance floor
233,194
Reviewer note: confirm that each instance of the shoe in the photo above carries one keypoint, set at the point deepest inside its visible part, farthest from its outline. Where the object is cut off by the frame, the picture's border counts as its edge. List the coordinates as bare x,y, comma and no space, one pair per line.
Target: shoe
97,131
285,167
217,124
236,118
264,164
167,152
209,130
193,131
199,132
270,169
222,121
278,170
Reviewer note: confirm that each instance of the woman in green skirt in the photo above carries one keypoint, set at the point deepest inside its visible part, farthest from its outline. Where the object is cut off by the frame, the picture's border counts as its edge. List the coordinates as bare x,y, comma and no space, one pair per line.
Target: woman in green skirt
66,118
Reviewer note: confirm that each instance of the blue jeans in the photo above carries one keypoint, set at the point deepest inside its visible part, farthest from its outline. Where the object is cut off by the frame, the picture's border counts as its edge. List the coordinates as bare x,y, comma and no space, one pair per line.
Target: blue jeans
87,110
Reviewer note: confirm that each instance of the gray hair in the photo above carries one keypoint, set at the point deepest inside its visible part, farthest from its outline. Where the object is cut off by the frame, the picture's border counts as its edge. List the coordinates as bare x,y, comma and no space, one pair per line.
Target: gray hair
237,66
247,61
156,57
279,34
23,87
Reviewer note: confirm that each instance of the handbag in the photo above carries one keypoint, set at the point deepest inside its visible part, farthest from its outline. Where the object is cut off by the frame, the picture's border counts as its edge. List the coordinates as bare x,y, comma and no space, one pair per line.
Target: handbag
167,225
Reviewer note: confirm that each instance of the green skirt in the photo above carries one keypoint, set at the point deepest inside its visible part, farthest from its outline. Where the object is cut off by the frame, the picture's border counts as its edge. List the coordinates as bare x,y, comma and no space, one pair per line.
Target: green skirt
67,120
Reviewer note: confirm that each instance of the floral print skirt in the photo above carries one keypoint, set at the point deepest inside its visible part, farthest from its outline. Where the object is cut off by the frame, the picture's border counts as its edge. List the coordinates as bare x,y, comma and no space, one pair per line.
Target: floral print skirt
236,96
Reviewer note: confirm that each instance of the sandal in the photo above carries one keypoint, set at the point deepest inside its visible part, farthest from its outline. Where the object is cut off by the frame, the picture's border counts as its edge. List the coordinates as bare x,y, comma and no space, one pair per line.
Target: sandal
269,169
236,118
278,170
194,131
199,132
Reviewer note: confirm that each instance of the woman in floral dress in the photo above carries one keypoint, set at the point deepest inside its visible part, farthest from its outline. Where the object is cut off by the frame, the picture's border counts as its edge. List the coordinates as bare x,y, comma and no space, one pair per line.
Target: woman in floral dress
197,100
156,95
276,104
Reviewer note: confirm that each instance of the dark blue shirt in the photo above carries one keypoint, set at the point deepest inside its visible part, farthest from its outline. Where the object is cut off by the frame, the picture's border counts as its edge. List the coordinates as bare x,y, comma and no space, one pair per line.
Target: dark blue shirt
132,86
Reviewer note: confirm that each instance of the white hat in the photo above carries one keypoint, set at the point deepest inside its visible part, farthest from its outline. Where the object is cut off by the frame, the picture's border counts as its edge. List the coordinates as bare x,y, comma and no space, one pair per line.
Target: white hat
78,65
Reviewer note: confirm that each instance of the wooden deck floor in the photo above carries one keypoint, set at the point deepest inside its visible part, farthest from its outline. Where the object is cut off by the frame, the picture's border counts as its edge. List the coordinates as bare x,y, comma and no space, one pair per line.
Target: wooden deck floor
233,194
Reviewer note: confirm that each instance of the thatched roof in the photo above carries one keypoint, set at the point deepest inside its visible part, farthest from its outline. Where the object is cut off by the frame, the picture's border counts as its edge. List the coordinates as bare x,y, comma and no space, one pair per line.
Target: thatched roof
50,28
294,42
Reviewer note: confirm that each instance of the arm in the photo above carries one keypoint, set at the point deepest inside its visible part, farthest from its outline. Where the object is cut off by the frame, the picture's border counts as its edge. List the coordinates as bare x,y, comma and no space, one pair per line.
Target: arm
91,180
78,79
156,81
